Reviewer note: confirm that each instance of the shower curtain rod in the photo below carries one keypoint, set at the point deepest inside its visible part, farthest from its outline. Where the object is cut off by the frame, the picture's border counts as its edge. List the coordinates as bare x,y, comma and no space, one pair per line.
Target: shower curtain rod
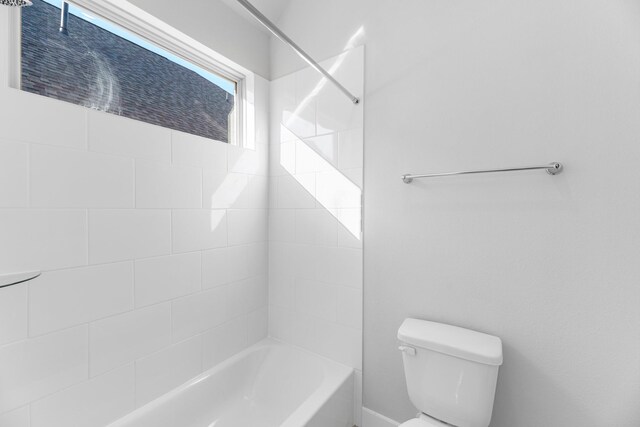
282,36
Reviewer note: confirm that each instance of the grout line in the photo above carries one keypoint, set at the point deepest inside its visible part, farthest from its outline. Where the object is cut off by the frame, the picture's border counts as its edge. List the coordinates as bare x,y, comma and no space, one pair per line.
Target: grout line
88,351
135,182
132,263
87,119
29,191
88,258
171,251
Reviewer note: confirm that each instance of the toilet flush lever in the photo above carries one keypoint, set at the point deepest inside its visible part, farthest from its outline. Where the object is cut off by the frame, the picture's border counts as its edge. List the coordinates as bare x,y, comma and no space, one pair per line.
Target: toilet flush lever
406,349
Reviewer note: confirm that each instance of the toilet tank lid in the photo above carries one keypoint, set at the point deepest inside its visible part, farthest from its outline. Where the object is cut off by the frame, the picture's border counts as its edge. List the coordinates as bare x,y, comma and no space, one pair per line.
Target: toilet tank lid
452,340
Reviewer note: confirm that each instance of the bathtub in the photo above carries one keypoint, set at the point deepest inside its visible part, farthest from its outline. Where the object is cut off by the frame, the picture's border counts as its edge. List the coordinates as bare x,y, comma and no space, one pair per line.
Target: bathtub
270,384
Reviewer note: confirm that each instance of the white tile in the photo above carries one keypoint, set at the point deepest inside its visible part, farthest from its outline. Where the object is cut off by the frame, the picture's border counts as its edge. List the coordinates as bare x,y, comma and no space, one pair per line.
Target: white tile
350,149
306,158
64,178
34,118
282,96
16,418
281,290
288,157
233,190
13,313
222,190
236,299
282,225
350,228
165,370
215,267
301,119
354,175
65,298
335,112
256,196
247,226
316,227
349,307
167,277
262,101
316,299
286,136
258,259
187,315
282,159
121,339
293,260
340,343
341,266
165,186
329,339
296,192
257,293
273,192
335,190
306,260
118,235
42,239
306,332
192,150
14,191
199,312
96,402
239,267
199,229
258,325
34,368
224,341
317,154
247,161
112,134
281,323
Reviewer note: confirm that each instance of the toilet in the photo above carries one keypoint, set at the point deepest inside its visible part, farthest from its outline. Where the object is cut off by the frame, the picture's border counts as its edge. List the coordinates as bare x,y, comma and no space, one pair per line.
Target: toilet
451,373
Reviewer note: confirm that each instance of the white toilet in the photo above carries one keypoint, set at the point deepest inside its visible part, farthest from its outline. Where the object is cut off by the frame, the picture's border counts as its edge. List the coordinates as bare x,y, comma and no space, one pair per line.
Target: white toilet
451,373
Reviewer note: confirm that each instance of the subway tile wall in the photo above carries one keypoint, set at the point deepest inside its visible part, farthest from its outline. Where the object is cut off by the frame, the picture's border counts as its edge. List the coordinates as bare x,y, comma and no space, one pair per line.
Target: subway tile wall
154,249
315,193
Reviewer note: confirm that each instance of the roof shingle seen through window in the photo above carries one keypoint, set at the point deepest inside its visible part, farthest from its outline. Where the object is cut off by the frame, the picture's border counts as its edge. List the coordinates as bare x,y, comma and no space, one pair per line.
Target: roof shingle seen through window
97,69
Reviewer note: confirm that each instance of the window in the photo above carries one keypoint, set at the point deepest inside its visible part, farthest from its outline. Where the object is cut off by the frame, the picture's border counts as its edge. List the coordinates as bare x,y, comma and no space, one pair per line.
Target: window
77,56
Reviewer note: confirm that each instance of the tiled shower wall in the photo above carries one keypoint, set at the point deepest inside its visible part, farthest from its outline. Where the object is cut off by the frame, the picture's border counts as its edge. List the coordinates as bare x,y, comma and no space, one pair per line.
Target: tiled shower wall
153,247
315,241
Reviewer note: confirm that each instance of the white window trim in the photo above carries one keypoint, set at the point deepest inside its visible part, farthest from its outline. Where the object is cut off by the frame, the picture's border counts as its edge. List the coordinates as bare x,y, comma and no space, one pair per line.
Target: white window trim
145,25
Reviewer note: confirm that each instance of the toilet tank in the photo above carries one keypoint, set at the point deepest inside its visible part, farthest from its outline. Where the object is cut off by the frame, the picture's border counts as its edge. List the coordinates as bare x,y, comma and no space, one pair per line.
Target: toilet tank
451,372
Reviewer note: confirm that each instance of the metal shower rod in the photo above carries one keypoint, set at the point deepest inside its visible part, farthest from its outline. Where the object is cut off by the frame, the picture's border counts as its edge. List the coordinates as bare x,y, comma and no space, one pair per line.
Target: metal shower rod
282,36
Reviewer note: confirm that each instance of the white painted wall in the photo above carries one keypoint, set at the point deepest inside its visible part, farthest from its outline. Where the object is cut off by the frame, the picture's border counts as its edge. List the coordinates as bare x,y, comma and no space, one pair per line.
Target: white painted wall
218,26
315,241
547,263
153,247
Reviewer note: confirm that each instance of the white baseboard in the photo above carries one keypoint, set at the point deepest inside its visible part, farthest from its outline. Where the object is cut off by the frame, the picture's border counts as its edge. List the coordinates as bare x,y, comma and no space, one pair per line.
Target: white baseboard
373,419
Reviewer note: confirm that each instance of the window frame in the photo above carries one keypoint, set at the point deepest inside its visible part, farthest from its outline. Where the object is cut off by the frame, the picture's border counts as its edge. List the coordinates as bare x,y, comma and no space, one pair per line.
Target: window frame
144,25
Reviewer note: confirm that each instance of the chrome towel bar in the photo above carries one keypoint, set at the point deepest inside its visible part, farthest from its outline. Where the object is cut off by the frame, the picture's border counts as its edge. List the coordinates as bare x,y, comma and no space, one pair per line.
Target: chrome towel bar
551,168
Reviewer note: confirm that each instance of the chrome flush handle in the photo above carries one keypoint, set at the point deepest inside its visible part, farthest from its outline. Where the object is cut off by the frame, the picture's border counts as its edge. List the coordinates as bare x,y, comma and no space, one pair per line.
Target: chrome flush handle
406,349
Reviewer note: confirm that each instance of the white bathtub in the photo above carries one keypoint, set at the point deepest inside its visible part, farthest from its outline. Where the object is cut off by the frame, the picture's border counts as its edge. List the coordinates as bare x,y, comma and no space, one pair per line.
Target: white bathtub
269,384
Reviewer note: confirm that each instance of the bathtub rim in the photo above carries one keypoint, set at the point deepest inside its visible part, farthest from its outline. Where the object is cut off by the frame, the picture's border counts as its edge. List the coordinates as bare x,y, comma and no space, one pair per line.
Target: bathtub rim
335,376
